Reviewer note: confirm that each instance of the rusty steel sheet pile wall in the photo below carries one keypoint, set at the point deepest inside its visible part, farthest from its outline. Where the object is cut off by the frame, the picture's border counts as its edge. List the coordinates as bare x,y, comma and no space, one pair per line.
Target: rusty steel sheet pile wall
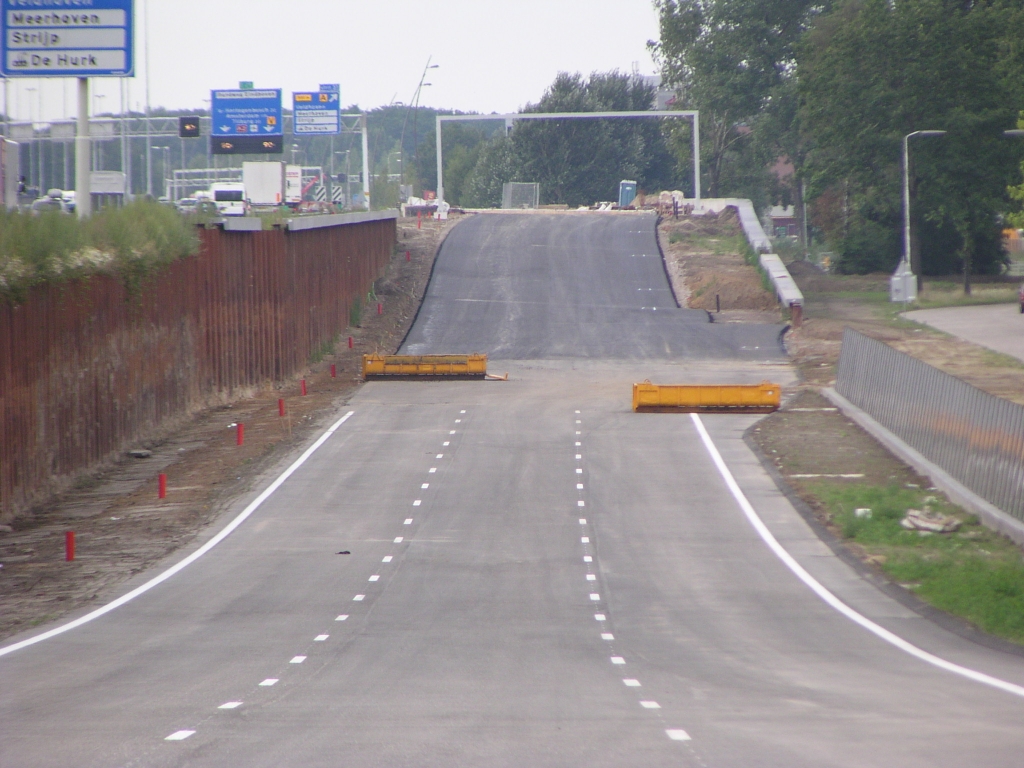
976,437
88,367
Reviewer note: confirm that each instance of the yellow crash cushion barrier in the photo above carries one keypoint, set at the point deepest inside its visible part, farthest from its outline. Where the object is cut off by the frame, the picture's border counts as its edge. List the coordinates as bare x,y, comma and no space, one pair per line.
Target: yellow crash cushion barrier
465,366
707,398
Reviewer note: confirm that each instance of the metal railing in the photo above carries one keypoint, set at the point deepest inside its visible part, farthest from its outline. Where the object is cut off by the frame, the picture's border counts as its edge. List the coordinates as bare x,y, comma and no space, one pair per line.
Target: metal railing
976,437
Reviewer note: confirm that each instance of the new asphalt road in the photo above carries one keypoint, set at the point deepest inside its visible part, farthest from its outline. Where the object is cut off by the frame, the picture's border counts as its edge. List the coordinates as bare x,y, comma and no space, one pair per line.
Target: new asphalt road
536,576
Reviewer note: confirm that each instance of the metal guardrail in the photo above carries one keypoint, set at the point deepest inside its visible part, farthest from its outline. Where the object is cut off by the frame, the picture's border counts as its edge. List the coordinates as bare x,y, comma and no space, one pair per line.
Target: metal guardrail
976,437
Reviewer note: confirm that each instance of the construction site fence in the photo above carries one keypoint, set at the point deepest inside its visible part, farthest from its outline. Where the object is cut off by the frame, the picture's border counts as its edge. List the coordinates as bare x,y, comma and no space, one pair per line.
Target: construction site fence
89,367
974,436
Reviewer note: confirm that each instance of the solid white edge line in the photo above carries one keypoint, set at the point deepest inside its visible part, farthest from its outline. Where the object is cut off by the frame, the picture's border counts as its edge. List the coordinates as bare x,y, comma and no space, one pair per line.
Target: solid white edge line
223,534
820,590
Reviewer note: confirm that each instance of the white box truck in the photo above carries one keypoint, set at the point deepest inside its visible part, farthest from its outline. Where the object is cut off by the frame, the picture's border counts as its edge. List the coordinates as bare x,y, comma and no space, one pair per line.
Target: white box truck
264,183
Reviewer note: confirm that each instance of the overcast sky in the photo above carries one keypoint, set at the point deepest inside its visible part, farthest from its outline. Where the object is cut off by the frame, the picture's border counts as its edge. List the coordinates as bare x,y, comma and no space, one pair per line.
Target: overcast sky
493,55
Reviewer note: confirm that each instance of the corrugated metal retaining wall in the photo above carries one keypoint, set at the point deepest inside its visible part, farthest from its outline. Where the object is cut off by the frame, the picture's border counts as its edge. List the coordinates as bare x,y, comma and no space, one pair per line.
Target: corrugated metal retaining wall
87,368
976,437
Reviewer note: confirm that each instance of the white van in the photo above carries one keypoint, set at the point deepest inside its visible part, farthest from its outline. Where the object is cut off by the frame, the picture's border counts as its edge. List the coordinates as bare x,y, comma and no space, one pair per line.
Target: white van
229,197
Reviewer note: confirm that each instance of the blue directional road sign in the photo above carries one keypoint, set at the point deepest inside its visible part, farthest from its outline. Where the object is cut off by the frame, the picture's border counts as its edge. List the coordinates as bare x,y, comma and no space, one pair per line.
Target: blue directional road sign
254,112
66,39
317,112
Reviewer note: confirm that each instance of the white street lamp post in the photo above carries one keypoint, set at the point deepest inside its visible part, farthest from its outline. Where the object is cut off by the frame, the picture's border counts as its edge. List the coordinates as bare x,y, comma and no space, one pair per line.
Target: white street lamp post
904,269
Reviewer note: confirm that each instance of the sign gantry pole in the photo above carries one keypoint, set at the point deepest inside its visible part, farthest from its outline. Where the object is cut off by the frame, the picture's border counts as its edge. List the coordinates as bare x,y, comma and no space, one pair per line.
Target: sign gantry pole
83,152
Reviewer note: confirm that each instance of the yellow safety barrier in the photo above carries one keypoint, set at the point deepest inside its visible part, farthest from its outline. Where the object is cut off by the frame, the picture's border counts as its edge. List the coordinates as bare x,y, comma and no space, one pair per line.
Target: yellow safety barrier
707,398
448,366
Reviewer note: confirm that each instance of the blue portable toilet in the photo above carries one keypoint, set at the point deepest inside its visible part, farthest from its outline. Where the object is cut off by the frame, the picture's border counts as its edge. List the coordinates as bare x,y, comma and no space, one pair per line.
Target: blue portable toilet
627,193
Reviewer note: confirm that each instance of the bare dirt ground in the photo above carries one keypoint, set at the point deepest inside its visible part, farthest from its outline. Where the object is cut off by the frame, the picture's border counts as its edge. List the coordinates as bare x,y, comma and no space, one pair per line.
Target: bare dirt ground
121,526
707,269
861,302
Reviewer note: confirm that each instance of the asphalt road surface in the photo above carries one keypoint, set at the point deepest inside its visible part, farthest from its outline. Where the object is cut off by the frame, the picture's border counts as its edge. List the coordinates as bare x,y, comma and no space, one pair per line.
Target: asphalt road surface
997,326
536,577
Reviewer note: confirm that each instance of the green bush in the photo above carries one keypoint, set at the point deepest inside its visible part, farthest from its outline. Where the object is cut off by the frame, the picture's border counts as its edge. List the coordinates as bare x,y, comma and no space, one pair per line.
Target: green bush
129,242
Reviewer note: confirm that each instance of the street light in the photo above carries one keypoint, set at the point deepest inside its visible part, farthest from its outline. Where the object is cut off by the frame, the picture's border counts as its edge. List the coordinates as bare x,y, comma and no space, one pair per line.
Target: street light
414,104
905,267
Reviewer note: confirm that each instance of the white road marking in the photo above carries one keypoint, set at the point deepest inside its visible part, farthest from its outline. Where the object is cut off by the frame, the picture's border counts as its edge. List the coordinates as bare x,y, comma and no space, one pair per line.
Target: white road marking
408,521
631,682
458,421
425,486
432,470
187,561
320,638
269,682
446,443
577,411
398,540
375,577
579,486
618,660
600,616
439,456
387,559
179,736
359,598
677,734
581,503
578,421
579,471
342,617
578,443
583,521
607,636
585,540
297,659
595,597
461,411
588,559
417,502
650,705
230,705
578,432
591,577
816,586
579,456
452,432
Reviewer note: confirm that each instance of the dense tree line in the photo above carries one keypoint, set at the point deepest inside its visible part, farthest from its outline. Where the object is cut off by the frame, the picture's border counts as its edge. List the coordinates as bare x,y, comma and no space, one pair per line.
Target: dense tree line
834,86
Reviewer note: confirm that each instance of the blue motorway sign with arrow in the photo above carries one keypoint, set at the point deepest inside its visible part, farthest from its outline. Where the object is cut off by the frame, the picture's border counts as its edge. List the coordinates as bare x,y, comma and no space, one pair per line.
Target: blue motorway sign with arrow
318,111
240,113
66,38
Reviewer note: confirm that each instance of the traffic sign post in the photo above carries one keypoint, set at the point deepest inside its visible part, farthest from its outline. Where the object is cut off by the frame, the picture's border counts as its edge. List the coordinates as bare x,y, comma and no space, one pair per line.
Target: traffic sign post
317,112
48,40
246,121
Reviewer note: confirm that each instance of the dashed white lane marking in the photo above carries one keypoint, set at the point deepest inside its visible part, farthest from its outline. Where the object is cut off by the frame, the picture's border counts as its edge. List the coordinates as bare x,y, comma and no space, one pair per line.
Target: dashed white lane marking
585,539
230,705
297,659
181,564
425,486
581,503
816,586
439,456
579,471
577,432
408,521
387,559
320,638
461,411
607,636
595,597
578,443
179,736
631,682
458,421
600,616
591,577
452,432
375,577
618,660
445,444
579,486
588,559
650,705
578,421
577,411
342,617
583,521
432,470
398,540
578,456
677,734
417,502
359,598
269,682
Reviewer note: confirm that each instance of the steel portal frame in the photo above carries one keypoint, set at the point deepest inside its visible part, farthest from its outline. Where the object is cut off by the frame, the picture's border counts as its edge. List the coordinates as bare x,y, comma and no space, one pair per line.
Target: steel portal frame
511,117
